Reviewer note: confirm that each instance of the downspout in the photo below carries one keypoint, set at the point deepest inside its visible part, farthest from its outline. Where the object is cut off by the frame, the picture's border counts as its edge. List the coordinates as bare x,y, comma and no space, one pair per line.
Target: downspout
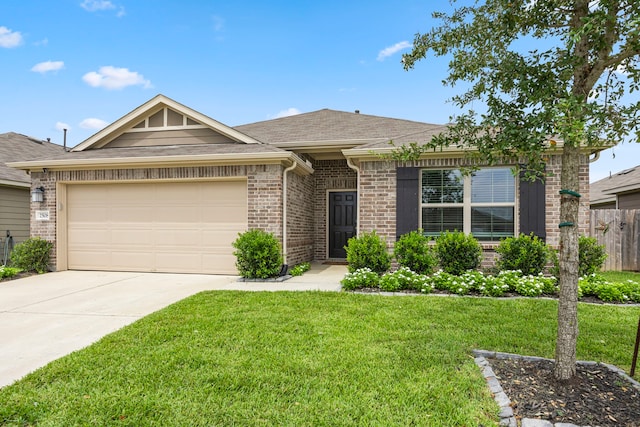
357,169
284,210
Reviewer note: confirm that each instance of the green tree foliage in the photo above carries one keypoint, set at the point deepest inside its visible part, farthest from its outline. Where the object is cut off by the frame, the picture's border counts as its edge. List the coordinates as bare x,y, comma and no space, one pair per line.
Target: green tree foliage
552,75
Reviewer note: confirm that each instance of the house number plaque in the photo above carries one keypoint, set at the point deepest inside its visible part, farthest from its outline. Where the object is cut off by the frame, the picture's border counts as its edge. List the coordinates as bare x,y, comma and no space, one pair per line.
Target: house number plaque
42,215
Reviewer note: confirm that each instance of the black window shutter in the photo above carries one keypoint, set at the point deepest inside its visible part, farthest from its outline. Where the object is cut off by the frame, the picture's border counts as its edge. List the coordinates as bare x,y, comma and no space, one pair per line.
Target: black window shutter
532,207
407,200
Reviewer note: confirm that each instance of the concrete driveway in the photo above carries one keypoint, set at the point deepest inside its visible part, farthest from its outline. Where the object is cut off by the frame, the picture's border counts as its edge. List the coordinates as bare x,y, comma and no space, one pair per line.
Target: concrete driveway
48,316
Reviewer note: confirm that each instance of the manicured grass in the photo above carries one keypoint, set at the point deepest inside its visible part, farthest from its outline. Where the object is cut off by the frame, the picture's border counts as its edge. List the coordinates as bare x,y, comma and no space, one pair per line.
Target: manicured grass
620,276
305,359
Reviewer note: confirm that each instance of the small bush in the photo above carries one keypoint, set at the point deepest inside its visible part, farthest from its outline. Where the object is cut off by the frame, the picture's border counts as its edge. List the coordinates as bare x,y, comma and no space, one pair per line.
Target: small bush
32,255
534,286
360,278
596,285
458,252
368,250
450,282
257,254
300,269
412,250
8,272
526,253
403,279
591,255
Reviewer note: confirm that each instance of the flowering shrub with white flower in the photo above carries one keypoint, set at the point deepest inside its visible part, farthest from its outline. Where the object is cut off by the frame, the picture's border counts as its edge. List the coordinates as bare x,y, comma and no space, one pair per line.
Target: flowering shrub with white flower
488,285
404,278
534,286
360,278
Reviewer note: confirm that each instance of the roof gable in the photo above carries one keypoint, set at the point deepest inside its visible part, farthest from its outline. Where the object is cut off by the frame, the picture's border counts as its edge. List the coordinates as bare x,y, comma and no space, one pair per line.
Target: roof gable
159,115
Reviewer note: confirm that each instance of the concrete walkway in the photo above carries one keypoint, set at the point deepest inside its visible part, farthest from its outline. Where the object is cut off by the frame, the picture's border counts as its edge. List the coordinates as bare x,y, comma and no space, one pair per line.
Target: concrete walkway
48,316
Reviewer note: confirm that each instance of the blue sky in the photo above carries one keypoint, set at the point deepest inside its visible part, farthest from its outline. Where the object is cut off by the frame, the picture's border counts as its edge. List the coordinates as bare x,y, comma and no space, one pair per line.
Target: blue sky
81,64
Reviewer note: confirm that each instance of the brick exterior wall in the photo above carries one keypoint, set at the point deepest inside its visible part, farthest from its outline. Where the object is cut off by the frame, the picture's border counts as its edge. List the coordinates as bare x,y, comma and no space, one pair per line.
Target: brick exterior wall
329,175
554,166
264,185
300,219
378,201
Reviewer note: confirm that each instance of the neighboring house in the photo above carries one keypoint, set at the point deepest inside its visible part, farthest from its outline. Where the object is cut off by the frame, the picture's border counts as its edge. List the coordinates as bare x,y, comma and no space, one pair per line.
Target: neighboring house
166,188
618,191
15,185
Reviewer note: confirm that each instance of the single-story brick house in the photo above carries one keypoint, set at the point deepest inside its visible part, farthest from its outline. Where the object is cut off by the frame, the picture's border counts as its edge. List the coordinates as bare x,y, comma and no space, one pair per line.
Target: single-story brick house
15,186
166,188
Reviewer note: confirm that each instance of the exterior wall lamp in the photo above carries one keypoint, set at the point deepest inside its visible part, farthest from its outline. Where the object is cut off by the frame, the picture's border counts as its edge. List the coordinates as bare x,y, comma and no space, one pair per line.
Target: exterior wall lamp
37,195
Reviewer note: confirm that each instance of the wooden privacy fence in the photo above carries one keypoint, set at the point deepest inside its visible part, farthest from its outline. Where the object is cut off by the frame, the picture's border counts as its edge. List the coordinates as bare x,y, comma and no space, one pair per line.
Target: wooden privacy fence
619,231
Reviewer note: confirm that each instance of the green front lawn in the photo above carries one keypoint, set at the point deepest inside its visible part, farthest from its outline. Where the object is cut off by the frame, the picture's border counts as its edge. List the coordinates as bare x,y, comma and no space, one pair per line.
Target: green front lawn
305,359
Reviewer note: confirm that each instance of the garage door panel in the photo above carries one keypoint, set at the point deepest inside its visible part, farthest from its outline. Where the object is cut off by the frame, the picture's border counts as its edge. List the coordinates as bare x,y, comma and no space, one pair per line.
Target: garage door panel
88,236
130,236
130,214
179,214
224,213
166,227
131,260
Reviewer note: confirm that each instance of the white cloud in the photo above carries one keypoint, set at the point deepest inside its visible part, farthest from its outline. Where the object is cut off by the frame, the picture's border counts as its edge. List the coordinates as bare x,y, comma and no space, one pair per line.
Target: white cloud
288,112
61,126
388,51
95,5
98,5
44,67
9,38
93,123
111,78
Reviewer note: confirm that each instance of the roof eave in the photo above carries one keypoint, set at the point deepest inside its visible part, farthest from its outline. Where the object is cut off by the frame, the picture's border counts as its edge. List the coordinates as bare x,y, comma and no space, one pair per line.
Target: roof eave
285,157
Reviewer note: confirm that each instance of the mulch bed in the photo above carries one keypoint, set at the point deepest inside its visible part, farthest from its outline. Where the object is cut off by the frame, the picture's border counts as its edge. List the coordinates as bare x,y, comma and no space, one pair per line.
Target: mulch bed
596,397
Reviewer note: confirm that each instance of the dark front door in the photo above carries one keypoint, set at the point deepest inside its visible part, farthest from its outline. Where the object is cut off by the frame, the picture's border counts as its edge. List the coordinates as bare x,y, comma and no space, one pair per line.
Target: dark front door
342,221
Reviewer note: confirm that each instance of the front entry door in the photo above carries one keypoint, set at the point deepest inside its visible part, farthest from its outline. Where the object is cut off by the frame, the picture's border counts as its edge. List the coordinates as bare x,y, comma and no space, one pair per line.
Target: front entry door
342,221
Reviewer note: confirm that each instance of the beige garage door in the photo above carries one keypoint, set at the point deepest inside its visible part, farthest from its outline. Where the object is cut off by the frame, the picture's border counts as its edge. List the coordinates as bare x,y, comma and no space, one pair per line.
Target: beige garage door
184,227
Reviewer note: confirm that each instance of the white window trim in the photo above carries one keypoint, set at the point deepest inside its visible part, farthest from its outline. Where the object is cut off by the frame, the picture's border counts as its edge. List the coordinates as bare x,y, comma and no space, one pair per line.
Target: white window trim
467,205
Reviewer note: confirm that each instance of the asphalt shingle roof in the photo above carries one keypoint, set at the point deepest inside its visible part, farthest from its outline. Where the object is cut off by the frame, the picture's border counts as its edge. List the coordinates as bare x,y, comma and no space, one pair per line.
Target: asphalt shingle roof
331,125
15,147
605,189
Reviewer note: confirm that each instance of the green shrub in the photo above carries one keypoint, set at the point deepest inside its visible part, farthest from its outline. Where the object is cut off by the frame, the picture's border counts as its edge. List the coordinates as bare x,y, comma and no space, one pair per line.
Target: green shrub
458,252
368,250
597,286
534,286
526,253
451,283
360,278
257,254
402,279
300,269
412,250
32,255
591,255
8,272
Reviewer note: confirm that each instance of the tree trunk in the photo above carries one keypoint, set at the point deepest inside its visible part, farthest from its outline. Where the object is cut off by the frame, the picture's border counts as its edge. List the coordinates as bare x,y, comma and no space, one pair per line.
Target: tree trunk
565,366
